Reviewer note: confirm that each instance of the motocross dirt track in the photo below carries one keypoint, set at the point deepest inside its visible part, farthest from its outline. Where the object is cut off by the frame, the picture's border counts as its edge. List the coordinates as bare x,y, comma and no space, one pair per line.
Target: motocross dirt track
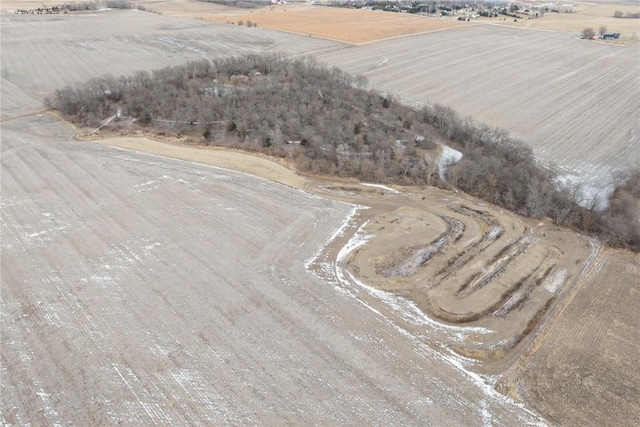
138,289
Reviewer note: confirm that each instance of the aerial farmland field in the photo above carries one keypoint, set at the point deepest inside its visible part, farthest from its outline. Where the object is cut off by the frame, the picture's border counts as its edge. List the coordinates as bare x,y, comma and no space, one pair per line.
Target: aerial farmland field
581,366
121,42
575,102
144,290
149,283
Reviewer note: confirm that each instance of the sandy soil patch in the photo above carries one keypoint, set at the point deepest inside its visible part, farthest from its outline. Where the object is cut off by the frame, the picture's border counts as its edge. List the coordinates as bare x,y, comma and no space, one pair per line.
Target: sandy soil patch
235,160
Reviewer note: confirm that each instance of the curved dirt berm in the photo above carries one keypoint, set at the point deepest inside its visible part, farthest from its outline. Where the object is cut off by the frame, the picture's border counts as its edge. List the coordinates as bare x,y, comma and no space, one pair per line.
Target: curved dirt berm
470,265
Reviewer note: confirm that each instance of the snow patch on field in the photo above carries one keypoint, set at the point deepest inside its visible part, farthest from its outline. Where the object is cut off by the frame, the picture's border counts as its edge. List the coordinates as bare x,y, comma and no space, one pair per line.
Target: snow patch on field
47,404
556,280
400,305
29,237
147,186
348,223
587,190
449,157
383,187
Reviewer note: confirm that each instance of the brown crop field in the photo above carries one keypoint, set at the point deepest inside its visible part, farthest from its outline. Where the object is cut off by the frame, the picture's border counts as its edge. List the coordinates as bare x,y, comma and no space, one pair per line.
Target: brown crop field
587,363
348,25
148,283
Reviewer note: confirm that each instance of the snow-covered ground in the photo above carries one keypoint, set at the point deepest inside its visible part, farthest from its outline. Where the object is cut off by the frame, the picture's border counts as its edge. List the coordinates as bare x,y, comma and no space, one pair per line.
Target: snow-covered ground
448,157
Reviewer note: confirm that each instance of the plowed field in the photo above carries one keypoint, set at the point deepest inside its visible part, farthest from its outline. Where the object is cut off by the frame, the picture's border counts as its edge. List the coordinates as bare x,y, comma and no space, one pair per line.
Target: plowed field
586,372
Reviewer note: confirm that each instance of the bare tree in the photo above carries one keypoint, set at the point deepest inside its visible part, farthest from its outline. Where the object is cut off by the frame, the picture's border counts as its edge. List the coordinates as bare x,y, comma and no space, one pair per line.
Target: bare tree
603,29
325,121
588,33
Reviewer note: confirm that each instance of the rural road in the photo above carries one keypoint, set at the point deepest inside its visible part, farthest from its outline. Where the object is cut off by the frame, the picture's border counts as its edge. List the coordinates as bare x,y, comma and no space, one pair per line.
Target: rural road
141,290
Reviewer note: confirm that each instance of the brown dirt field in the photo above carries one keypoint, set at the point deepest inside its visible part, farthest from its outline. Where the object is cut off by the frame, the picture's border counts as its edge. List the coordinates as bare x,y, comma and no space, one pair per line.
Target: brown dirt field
586,372
348,25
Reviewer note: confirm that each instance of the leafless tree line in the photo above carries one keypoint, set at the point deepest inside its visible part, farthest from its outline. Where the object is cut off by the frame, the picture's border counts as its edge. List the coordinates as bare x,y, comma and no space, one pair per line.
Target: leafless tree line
81,6
628,15
54,10
246,4
500,169
327,122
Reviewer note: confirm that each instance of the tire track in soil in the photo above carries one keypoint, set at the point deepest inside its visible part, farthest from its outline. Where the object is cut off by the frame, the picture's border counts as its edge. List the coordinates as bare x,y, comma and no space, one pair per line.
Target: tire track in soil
421,255
470,252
